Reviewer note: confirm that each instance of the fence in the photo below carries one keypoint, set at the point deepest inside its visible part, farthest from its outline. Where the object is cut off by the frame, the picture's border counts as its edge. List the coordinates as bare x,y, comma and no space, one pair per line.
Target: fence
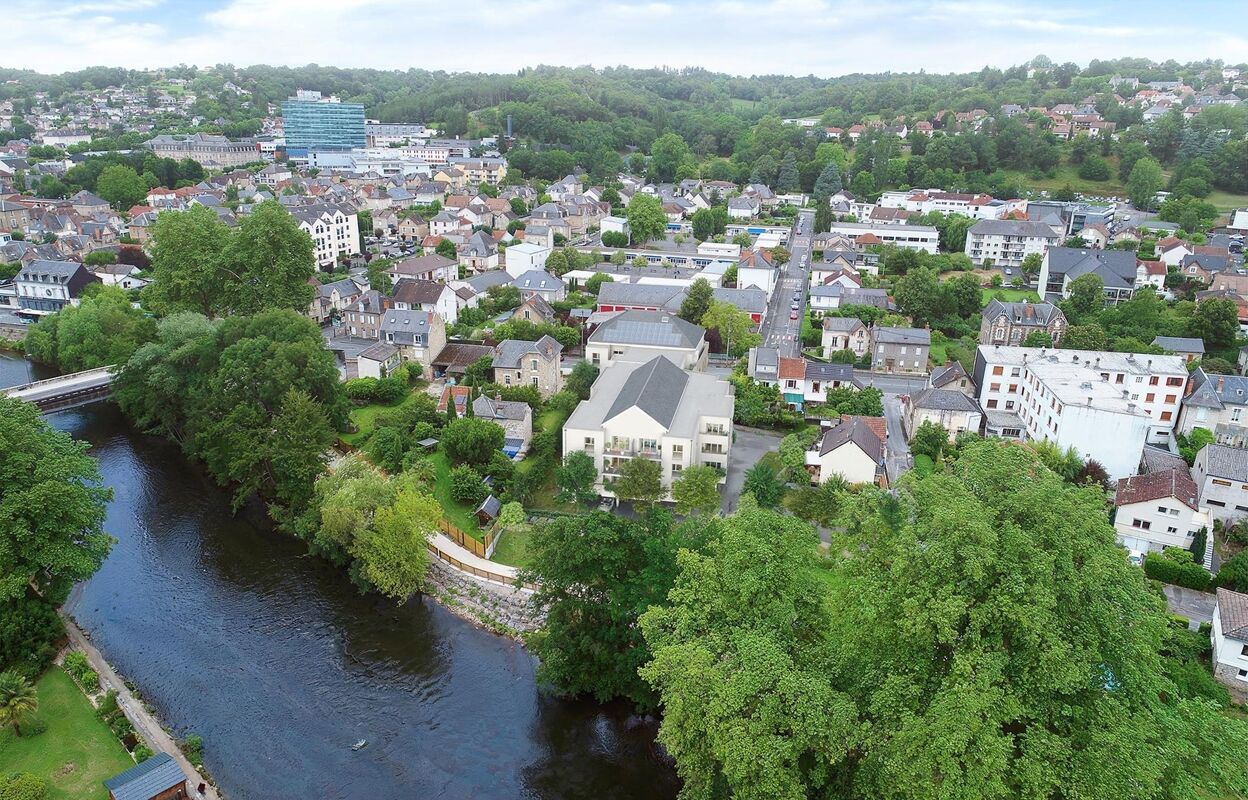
484,574
478,547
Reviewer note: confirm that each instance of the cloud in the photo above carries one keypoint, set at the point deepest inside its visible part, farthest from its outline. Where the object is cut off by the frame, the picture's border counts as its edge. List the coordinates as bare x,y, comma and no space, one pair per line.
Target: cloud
820,37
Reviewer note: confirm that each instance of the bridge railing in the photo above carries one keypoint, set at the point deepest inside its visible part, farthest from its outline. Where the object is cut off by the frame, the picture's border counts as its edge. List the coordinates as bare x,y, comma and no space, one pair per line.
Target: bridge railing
60,379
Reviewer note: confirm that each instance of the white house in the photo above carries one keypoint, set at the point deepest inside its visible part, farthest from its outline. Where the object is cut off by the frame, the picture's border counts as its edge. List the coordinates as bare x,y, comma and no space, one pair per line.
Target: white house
612,224
1230,642
1221,474
639,336
1219,404
755,269
1008,241
953,410
1158,510
852,449
334,229
525,257
653,410
433,267
845,333
377,361
438,298
911,237
542,284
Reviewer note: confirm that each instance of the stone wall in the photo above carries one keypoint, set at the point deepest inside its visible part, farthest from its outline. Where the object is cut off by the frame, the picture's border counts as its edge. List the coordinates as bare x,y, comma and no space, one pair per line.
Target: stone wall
12,333
503,609
1228,676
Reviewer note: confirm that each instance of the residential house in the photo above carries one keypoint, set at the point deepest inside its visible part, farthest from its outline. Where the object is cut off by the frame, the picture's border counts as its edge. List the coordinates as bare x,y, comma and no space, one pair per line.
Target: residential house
755,269
538,364
743,208
1105,405
1158,510
332,299
525,257
434,267
1190,348
480,253
1062,265
378,360
460,396
832,296
422,295
362,318
903,350
1006,242
513,416
14,216
845,333
419,335
852,449
653,410
1010,323
45,287
1221,474
334,229
456,357
157,778
638,336
950,408
542,284
1171,250
1150,273
954,378
1229,637
535,309
412,228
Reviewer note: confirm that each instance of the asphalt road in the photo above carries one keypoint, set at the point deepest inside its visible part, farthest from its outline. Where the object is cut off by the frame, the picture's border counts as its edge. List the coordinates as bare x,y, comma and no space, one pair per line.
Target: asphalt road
748,447
778,330
897,458
1196,606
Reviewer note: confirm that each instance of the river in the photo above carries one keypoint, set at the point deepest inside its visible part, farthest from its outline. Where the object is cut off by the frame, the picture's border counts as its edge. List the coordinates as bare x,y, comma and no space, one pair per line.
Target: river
279,664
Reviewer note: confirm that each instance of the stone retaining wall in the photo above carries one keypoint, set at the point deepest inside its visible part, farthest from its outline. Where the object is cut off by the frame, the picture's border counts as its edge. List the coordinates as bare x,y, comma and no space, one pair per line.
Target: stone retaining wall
503,609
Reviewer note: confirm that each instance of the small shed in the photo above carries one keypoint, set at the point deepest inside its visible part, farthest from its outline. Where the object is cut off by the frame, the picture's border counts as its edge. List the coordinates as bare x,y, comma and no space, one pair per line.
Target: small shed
427,444
157,778
489,509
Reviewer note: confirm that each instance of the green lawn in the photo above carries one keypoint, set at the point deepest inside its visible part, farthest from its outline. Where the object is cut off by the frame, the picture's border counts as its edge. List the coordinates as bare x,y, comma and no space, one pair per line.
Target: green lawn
1225,201
1068,175
460,516
513,547
76,753
365,418
1008,295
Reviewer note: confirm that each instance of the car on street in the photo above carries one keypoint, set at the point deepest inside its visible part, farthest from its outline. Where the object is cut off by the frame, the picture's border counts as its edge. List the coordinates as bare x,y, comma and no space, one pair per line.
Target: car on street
793,314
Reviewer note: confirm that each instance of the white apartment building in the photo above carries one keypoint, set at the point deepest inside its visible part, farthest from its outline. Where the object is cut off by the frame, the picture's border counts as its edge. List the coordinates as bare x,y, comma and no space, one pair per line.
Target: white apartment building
1230,642
524,257
1158,510
1008,241
925,201
1105,405
911,237
638,336
334,229
657,411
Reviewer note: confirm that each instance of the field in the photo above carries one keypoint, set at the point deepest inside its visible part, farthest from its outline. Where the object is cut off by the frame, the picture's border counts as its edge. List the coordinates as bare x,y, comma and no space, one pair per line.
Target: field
365,418
513,547
459,515
76,753
1225,201
1068,175
1008,295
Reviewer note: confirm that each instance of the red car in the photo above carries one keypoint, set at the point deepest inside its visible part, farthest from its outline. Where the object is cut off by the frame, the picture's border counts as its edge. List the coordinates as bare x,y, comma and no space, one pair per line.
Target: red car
793,315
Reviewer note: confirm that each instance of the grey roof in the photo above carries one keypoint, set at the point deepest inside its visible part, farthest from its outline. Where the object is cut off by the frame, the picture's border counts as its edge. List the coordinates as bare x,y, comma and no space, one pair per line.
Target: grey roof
1233,614
751,300
537,280
648,328
1224,461
1207,261
382,351
641,294
491,506
655,387
820,371
408,326
1116,268
1013,227
767,357
1217,391
945,400
510,351
1155,459
488,408
346,286
1180,344
846,324
483,281
856,430
943,376
1024,313
146,780
919,336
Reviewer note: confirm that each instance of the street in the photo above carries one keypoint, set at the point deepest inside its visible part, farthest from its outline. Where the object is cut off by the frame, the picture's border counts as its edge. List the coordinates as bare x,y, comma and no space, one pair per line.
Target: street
897,458
778,330
1196,606
748,446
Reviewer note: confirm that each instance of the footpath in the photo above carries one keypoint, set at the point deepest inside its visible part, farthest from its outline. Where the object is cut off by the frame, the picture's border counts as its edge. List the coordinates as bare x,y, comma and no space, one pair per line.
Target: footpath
145,723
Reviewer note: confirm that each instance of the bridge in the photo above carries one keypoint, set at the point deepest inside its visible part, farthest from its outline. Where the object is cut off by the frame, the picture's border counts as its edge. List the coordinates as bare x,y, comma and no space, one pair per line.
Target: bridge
65,391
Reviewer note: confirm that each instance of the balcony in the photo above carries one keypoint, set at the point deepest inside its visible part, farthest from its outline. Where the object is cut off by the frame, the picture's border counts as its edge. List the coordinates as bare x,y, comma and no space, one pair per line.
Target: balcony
618,449
650,453
715,449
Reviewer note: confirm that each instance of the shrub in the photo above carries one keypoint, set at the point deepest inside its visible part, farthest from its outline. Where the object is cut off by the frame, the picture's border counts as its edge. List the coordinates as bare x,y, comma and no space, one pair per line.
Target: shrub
142,752
466,486
1172,568
76,663
23,786
361,390
108,704
90,681
193,748
29,630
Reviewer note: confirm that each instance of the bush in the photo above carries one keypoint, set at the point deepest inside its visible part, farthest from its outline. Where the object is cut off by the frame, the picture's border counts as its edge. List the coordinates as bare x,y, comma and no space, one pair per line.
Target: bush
23,786
361,390
90,681
108,704
76,663
467,487
29,630
142,752
1172,568
193,748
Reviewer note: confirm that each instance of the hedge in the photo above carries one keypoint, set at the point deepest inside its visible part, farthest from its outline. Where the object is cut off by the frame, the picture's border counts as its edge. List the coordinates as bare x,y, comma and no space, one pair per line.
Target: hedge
1188,575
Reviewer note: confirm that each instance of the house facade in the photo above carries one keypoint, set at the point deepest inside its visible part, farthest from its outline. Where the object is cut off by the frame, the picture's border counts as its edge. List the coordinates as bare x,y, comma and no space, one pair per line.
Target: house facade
1221,475
1010,323
852,449
1229,638
1158,510
537,364
900,350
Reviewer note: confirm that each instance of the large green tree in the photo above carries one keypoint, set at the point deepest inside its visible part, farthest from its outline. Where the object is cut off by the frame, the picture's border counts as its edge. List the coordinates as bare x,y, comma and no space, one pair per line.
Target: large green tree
576,477
1087,293
640,481
104,329
1216,321
696,490
51,507
697,301
18,701
121,186
646,219
186,250
1144,182
734,326
268,263
666,154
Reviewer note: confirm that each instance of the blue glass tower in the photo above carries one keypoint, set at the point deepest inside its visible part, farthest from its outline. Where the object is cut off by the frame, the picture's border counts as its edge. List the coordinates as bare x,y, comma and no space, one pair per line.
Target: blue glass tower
313,122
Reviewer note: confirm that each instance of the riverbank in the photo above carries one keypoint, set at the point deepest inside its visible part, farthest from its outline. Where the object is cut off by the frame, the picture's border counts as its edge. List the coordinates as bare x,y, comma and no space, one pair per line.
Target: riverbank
144,721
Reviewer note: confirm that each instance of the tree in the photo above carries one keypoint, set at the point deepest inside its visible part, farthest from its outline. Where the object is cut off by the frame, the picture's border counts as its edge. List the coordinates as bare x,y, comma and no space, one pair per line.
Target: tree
1216,321
446,249
1038,339
23,786
1200,540
378,272
1085,337
792,452
466,486
918,295
596,575
734,326
471,441
52,506
30,634
392,552
646,218
1032,263
576,477
102,330
764,484
594,283
930,439
1087,293
18,701
1144,182
703,222
696,490
386,448
823,217
788,180
581,379
742,666
963,295
267,263
828,183
1094,168
187,250
121,186
479,372
640,481
1233,574
666,154
697,301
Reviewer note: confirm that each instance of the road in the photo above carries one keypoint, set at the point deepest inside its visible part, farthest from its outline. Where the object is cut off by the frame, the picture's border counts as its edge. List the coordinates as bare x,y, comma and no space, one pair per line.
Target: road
778,330
748,446
1196,606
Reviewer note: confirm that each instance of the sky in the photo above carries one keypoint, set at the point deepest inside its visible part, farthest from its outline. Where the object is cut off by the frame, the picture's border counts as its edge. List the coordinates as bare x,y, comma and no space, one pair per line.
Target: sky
797,37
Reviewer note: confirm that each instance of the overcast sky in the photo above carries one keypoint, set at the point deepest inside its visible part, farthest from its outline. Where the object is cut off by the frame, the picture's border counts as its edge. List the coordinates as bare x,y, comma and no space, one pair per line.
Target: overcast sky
800,37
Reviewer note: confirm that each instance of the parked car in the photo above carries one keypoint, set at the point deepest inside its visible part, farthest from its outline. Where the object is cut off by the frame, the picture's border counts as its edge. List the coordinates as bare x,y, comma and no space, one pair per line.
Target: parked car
793,314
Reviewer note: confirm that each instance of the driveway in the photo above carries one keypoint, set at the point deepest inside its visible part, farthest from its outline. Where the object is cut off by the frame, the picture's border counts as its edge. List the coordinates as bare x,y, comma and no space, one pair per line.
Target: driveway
1196,606
748,447
897,458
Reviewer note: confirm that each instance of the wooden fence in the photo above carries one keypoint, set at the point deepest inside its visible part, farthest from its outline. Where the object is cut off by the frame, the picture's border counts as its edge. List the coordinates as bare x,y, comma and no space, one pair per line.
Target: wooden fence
478,547
484,574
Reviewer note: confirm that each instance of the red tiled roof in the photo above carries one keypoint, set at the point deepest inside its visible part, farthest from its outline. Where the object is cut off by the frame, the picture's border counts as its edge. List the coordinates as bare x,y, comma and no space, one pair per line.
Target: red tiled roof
792,368
1155,486
878,425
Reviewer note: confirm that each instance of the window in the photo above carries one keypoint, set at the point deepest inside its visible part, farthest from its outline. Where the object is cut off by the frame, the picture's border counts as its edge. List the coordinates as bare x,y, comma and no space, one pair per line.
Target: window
589,443
1153,381
1244,650
1118,378
1172,529
676,468
1148,398
1165,416
1170,398
1015,372
998,370
1243,674
1235,414
1174,381
678,451
1142,524
534,380
994,387
1009,404
1217,482
1013,387
992,403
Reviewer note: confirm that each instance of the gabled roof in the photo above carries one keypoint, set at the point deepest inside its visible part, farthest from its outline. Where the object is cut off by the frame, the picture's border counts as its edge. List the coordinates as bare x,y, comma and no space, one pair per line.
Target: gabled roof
1024,313
1176,483
1116,268
1180,344
1233,614
820,371
792,369
1216,391
536,280
417,293
655,387
641,294
843,324
919,336
856,430
1223,461
509,351
943,376
945,400
489,408
649,328
146,780
419,265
